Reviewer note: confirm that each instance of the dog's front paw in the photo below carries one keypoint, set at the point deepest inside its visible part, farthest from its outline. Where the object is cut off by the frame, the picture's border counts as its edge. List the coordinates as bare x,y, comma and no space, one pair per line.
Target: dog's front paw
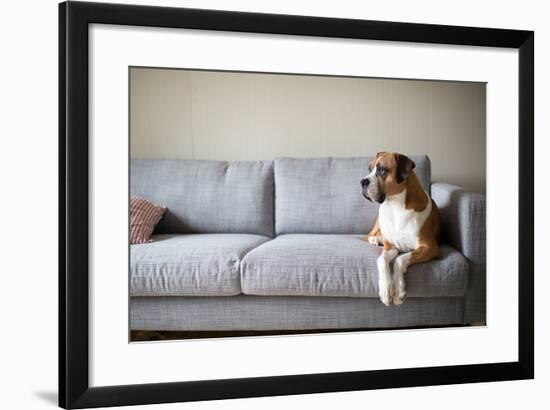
399,296
386,294
399,285
399,267
374,240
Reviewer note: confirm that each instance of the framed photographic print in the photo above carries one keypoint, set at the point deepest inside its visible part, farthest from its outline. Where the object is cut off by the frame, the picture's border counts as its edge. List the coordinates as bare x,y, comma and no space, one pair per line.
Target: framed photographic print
258,204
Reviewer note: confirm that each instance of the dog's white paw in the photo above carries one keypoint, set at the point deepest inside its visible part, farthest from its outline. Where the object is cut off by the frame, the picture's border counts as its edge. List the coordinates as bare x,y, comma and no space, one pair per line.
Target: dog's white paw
399,291
386,294
400,266
399,297
373,240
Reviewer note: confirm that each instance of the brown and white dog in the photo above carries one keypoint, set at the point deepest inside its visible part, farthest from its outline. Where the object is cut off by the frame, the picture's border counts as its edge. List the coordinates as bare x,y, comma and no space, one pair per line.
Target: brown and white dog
408,221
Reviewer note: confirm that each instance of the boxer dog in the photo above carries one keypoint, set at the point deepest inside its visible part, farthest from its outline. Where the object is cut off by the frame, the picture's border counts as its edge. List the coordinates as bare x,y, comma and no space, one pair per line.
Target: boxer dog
408,222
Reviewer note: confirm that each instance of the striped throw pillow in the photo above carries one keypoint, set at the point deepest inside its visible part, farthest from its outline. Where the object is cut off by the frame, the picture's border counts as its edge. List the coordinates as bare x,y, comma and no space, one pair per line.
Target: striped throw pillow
144,216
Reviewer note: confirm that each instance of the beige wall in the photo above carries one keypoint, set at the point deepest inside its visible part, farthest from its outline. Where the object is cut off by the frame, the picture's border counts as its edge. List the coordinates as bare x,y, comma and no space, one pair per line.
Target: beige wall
240,116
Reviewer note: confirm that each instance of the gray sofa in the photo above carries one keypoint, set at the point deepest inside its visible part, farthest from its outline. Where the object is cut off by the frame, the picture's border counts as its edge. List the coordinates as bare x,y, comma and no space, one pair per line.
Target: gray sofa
277,245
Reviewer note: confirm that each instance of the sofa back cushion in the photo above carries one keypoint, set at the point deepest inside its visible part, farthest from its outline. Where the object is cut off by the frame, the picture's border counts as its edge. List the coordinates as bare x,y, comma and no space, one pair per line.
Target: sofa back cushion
323,195
208,196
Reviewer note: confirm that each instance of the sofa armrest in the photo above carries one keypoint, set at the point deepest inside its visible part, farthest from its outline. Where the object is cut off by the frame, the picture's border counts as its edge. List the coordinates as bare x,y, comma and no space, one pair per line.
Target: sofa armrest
464,228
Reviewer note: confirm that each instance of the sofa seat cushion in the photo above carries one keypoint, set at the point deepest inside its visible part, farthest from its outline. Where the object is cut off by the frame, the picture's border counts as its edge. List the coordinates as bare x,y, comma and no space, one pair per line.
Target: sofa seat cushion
190,265
342,265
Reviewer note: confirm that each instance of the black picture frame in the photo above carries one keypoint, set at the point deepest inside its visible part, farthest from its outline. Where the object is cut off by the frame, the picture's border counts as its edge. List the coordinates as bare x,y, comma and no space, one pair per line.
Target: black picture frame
74,388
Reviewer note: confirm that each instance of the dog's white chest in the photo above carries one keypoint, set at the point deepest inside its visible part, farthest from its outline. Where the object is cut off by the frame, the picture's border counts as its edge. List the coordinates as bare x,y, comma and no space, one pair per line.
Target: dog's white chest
399,225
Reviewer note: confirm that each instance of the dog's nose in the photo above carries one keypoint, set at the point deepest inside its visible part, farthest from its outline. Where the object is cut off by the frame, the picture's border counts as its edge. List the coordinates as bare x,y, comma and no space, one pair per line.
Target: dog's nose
365,182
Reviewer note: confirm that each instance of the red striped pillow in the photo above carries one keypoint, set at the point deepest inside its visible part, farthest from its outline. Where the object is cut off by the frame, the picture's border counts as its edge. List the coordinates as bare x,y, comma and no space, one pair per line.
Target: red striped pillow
144,216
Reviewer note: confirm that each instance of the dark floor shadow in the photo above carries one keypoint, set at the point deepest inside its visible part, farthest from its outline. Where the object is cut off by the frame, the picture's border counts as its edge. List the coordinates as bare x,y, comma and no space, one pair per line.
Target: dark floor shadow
48,396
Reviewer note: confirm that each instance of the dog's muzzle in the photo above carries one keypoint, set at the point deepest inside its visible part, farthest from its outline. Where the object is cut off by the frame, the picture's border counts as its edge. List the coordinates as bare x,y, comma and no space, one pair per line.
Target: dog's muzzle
364,188
371,191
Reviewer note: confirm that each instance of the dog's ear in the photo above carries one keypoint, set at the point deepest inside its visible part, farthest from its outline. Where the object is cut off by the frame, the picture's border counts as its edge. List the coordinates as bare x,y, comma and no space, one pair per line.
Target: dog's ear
380,154
404,166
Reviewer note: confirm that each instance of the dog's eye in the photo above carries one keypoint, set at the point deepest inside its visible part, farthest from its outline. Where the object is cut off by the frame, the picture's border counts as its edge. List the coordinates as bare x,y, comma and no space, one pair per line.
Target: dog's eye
380,172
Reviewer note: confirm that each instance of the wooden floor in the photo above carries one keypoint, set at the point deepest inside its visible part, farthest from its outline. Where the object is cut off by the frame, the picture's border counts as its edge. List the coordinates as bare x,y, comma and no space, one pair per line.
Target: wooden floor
153,335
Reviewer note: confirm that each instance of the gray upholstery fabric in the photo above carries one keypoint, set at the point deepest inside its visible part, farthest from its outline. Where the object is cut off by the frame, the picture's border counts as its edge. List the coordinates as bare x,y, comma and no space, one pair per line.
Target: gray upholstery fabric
195,265
464,227
341,265
288,312
208,196
323,195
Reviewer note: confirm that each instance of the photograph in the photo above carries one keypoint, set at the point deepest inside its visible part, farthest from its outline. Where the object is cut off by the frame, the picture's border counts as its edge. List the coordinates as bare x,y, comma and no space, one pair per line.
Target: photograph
275,203
283,203
244,205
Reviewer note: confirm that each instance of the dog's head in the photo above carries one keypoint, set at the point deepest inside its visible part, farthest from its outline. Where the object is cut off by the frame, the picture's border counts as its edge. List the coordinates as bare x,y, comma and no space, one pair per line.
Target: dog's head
388,173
